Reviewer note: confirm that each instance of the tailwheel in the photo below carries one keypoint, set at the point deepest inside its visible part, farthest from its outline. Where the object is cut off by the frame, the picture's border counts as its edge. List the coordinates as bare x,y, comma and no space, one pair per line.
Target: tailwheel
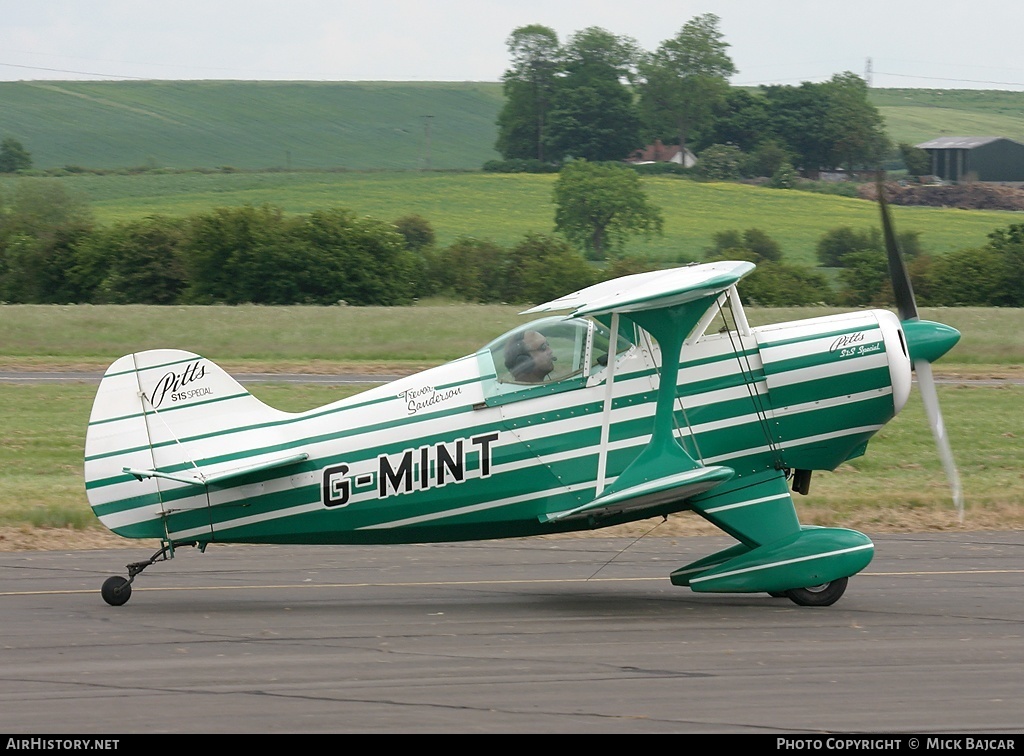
825,594
116,590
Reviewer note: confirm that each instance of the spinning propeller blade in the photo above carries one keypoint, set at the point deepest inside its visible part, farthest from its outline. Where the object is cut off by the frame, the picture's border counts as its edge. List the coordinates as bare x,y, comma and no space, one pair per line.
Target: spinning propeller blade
932,341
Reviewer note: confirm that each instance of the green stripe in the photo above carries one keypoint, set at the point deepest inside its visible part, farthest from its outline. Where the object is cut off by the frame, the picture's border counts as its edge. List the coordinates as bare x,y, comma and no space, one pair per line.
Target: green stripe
867,325
829,387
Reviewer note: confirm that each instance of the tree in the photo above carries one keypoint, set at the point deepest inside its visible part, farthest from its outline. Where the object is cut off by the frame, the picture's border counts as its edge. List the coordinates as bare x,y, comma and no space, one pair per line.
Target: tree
599,205
595,122
595,117
364,259
784,177
798,118
529,87
40,238
472,269
1008,243
740,118
853,125
864,281
417,232
141,261
543,267
968,278
754,243
13,156
684,79
720,162
835,245
917,161
256,254
776,284
766,159
225,254
827,125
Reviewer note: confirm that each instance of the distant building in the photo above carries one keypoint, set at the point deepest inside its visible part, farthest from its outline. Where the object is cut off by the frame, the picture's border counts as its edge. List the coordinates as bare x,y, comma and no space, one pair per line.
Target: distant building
663,153
960,159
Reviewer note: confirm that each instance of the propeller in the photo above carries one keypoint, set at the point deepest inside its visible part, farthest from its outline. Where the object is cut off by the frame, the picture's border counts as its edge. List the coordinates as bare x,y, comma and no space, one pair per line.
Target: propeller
926,341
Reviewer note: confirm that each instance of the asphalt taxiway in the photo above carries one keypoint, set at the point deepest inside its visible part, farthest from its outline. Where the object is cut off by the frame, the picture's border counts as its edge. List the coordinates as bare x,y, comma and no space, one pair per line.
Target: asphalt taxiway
570,635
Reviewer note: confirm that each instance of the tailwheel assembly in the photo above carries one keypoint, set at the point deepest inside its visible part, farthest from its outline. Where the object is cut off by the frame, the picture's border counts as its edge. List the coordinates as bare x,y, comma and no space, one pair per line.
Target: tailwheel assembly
116,590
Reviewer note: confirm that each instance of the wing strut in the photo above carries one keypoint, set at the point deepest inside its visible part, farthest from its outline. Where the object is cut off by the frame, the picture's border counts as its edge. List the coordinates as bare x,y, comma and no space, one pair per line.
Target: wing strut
606,416
664,456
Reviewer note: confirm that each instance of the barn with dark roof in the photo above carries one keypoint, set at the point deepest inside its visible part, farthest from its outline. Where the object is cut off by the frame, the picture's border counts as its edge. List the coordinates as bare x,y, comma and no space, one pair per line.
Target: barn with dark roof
967,158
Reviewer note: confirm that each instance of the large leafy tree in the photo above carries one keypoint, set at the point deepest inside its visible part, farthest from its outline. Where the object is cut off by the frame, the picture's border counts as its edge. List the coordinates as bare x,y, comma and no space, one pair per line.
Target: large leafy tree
853,125
741,118
828,125
798,117
595,117
529,86
598,206
683,81
595,121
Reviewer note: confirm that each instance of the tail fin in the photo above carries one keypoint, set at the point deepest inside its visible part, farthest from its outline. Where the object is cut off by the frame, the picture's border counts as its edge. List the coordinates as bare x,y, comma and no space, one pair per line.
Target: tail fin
166,424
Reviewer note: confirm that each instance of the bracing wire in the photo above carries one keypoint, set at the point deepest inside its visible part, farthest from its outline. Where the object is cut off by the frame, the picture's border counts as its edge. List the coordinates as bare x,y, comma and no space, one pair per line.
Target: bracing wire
629,545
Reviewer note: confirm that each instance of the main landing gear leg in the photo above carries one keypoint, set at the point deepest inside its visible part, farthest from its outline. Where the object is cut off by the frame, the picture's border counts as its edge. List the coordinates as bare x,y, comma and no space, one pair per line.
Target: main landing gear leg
117,590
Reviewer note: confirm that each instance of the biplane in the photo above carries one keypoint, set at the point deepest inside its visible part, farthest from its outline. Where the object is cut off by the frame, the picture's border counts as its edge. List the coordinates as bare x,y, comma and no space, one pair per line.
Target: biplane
635,398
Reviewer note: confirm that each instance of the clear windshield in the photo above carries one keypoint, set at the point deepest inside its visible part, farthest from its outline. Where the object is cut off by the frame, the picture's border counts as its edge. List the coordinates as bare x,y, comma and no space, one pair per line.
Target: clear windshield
553,349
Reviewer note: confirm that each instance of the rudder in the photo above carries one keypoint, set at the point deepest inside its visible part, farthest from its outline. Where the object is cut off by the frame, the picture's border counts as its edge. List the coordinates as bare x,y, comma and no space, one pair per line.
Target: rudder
162,411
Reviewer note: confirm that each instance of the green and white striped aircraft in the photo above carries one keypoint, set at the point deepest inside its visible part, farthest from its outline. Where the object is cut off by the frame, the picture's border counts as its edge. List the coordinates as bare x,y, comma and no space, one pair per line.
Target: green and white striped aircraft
649,395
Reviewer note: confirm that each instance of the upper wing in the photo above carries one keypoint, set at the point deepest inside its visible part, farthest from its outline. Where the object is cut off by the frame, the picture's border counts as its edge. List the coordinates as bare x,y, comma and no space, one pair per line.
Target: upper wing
650,291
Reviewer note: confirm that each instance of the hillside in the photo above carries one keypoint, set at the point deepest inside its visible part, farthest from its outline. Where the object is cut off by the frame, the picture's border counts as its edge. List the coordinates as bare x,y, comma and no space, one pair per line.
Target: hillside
917,115
350,125
253,125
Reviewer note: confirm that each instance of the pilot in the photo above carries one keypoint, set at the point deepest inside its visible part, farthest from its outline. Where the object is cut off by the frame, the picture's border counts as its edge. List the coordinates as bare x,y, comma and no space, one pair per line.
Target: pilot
528,357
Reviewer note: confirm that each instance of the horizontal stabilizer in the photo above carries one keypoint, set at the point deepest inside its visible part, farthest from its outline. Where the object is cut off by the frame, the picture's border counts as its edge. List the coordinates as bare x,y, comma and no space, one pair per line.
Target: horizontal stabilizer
197,477
649,494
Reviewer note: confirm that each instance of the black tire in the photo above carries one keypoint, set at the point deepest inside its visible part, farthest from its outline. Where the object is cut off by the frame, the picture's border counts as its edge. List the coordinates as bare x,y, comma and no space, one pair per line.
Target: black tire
116,590
777,594
825,594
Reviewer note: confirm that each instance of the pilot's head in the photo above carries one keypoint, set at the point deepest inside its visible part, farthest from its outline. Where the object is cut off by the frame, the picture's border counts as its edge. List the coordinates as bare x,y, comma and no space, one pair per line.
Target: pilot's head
528,357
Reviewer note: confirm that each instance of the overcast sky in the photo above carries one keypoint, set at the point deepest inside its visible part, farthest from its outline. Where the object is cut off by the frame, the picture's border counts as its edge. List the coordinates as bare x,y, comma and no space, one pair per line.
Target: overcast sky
947,44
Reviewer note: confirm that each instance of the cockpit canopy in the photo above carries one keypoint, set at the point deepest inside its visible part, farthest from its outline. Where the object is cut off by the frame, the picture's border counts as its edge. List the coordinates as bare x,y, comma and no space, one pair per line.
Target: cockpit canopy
552,350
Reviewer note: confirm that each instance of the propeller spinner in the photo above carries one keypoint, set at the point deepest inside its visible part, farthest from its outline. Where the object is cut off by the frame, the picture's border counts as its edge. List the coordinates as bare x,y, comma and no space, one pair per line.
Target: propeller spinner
926,342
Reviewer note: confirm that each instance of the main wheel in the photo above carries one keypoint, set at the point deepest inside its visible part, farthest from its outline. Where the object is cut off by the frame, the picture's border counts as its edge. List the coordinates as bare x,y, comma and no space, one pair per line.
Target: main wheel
116,590
825,594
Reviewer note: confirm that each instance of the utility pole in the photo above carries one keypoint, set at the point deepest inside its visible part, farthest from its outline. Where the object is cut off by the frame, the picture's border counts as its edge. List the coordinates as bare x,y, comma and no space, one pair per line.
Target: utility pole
867,72
426,129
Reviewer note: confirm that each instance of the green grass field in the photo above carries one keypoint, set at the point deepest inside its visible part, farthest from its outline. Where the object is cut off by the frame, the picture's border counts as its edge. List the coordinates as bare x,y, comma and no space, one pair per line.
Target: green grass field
427,334
252,124
505,207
